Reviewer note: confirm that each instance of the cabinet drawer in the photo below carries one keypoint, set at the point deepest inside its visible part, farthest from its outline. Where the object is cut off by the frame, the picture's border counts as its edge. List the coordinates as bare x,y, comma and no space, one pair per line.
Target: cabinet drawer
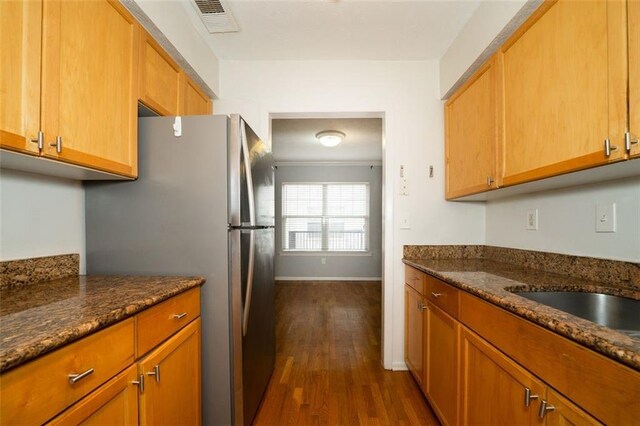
442,295
156,324
35,392
604,388
414,279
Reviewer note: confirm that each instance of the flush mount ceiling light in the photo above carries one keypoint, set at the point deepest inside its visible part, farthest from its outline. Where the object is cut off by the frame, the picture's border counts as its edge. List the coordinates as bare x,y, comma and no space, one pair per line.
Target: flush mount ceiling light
330,137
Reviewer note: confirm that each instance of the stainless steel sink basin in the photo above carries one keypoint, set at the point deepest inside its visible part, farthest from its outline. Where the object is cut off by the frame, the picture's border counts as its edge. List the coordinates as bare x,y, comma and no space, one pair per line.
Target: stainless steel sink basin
614,312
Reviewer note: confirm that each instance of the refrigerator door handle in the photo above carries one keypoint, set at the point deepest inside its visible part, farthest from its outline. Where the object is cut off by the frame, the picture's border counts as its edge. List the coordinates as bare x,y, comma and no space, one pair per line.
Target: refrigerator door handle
248,174
247,300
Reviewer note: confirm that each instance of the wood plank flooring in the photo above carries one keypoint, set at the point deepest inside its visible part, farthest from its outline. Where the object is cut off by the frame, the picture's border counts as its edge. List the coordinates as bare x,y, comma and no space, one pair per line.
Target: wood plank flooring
328,369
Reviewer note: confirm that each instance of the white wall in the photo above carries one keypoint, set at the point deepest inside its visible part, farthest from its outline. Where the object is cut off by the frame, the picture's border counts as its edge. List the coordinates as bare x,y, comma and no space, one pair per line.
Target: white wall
40,216
567,221
407,93
173,19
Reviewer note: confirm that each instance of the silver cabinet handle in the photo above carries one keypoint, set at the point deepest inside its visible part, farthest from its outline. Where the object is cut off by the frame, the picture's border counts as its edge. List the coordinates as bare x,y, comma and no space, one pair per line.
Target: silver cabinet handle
489,180
436,295
179,316
545,407
421,306
155,372
528,396
39,140
57,144
73,378
608,147
139,383
629,140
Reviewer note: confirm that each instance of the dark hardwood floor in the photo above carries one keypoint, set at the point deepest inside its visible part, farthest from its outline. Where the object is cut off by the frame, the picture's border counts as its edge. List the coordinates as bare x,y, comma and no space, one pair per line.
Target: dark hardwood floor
328,369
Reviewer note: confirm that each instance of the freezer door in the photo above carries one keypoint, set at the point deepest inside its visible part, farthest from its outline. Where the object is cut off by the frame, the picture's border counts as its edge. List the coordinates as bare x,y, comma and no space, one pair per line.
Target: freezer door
251,194
253,303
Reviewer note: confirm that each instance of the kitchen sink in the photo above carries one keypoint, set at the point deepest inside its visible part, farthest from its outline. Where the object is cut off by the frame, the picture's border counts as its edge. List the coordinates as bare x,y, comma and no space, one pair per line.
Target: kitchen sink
618,313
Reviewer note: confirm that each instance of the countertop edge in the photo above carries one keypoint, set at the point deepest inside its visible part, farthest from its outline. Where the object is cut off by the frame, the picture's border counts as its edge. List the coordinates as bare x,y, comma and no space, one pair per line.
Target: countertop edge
15,358
596,343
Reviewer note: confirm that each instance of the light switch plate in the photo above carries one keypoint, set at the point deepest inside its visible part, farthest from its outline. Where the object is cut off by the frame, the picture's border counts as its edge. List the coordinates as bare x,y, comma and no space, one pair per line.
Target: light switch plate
606,217
532,220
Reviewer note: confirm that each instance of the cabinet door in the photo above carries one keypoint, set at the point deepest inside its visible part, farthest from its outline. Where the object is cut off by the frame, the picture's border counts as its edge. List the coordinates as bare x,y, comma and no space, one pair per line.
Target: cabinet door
634,75
442,364
493,386
89,84
159,77
194,100
172,385
114,403
565,413
414,333
564,84
471,123
20,74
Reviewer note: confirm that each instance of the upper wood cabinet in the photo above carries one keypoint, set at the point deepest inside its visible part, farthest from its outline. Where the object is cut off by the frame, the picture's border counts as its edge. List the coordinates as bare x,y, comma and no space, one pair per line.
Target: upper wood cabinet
89,84
634,76
471,134
159,78
564,82
20,32
194,100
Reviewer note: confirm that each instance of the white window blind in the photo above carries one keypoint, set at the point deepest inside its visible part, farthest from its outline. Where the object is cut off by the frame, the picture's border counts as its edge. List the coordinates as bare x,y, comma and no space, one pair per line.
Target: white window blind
330,217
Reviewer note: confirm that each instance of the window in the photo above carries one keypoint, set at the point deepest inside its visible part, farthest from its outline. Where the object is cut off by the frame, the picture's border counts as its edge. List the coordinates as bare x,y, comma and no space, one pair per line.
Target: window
331,217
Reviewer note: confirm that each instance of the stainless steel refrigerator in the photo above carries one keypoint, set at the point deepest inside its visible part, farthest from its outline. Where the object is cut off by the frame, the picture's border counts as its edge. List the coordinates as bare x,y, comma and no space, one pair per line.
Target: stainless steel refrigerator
203,204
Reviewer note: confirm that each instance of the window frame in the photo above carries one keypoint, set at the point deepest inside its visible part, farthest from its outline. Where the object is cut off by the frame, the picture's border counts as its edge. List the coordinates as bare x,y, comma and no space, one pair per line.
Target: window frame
367,221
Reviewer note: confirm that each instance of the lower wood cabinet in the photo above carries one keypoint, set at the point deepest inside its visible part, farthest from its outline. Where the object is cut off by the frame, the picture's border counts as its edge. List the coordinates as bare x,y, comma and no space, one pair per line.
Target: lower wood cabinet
114,403
414,333
562,412
494,388
171,372
442,339
162,387
482,365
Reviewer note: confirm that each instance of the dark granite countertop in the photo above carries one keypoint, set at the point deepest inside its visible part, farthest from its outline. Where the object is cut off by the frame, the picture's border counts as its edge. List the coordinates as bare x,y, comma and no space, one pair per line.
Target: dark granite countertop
44,316
492,281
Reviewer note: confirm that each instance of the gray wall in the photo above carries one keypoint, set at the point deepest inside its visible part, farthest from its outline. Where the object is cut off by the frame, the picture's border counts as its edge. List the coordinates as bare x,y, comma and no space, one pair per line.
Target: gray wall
337,266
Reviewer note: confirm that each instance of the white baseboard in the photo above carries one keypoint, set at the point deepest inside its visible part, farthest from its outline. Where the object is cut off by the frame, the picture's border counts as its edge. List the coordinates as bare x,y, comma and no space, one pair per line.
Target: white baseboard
399,366
328,278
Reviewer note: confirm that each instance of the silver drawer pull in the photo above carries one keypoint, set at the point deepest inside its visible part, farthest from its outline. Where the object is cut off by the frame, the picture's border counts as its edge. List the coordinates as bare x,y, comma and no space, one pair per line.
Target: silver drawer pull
545,407
140,382
180,316
436,295
73,378
528,396
155,372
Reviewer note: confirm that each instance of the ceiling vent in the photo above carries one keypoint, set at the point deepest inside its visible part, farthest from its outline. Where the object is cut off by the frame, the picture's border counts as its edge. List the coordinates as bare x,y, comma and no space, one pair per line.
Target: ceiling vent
216,16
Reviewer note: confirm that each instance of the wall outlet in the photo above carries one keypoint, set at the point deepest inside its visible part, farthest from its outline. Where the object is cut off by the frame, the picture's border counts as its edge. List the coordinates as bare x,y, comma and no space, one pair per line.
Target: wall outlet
532,220
606,217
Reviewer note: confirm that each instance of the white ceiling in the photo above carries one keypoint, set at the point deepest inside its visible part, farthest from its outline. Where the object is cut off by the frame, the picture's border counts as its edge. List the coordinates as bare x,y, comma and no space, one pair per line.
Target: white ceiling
294,140
339,29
